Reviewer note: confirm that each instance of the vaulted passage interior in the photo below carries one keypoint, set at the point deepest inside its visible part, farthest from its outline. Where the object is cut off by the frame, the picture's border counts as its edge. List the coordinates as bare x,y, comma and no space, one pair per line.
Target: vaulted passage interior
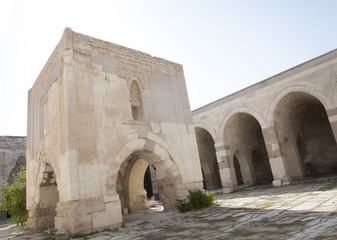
142,176
304,131
249,156
134,185
208,160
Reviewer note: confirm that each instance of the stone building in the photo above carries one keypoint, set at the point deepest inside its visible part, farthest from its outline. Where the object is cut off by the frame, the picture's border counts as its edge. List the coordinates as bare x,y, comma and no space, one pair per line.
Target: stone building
12,157
102,117
276,131
98,115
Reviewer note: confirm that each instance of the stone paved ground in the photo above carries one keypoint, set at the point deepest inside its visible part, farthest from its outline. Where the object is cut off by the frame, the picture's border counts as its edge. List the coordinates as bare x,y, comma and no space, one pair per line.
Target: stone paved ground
302,211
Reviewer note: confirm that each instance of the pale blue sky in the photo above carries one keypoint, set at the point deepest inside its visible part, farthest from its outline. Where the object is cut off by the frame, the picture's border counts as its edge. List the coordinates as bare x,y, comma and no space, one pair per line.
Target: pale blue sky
224,46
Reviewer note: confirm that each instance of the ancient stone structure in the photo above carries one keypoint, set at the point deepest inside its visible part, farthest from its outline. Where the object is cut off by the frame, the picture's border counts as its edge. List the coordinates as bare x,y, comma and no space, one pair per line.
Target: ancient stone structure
12,157
277,130
98,115
102,118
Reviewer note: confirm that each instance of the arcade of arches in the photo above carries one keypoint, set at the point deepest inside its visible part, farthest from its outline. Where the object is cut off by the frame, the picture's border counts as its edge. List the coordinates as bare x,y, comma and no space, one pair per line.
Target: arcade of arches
117,128
307,144
209,164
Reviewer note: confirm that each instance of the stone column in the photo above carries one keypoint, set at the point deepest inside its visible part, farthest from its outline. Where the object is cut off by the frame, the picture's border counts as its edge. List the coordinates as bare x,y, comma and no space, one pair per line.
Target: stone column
227,174
277,162
332,114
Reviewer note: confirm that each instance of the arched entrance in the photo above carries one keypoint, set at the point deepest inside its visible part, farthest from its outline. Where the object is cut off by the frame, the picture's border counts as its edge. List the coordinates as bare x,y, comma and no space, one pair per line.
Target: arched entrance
308,142
135,185
243,132
127,180
243,171
208,160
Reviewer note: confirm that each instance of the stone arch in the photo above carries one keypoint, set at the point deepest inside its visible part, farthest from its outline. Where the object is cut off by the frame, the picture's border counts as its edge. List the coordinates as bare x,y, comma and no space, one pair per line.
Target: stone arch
43,159
46,195
243,132
136,79
168,174
300,117
207,156
311,90
206,127
245,170
294,161
261,120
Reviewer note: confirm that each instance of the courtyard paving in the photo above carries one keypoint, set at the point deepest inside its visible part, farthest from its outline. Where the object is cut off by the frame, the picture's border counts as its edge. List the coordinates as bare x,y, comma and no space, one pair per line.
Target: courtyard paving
301,211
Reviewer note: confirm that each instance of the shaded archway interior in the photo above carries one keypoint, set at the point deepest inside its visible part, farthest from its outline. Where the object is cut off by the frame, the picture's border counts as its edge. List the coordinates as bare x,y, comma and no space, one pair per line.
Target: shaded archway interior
208,160
138,171
309,146
244,137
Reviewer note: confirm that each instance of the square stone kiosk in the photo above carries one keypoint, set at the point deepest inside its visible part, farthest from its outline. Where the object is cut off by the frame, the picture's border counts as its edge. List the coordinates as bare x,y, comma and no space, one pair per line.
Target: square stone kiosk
98,115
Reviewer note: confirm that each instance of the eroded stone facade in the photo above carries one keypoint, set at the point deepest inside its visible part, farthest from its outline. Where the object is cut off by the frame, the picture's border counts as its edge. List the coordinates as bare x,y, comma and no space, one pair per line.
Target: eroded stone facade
278,130
98,115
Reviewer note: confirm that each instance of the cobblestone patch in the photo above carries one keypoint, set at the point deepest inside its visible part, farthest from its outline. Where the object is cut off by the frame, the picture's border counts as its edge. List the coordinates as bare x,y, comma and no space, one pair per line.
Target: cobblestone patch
302,211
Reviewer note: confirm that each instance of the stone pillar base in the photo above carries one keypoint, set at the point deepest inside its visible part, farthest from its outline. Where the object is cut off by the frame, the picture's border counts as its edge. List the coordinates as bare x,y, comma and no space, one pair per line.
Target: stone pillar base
280,182
89,215
41,218
227,190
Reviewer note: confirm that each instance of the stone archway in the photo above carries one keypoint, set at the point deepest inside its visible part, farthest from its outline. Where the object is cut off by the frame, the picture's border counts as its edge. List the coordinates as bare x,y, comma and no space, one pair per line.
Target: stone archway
243,170
134,159
131,185
243,132
208,159
302,119
43,217
294,162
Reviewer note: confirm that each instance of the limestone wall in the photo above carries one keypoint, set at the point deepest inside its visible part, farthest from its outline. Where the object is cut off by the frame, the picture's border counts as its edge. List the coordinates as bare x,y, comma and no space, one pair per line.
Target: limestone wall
12,150
94,109
12,157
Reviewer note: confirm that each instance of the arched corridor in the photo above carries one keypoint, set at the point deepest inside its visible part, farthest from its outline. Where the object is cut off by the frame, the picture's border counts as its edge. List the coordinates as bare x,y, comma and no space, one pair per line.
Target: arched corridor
132,191
309,146
243,132
208,160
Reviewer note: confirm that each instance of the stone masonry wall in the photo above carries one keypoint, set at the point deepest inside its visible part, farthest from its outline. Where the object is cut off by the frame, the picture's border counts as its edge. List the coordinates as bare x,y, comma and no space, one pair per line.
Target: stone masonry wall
12,156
